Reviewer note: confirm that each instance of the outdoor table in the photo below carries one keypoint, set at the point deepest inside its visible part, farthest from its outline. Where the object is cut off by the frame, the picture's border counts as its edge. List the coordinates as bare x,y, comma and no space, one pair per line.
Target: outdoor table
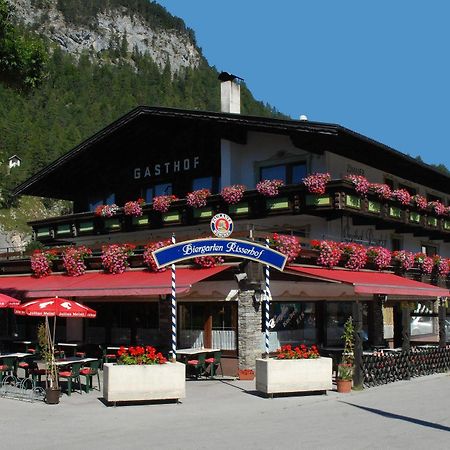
196,351
17,356
67,362
115,348
71,346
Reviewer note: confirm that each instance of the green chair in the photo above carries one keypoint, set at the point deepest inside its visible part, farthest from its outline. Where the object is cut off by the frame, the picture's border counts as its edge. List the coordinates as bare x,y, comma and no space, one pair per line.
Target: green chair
7,367
197,366
72,374
214,363
89,372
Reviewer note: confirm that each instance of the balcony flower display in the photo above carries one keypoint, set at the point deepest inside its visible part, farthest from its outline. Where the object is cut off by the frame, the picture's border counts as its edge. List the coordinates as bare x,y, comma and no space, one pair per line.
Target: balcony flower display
379,256
383,191
360,183
134,208
207,262
441,265
162,202
148,257
288,245
41,262
438,208
354,254
73,260
424,263
269,188
420,201
139,356
106,210
298,352
115,257
402,195
197,199
330,253
233,194
404,259
317,182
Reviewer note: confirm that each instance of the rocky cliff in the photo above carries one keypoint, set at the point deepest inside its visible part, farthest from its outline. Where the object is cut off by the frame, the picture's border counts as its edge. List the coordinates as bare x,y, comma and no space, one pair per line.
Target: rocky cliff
111,27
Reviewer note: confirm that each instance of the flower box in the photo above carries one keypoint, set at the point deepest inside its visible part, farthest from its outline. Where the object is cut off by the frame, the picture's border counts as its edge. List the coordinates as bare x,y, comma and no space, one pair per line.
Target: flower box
353,201
171,217
246,374
112,224
140,221
432,222
239,209
277,376
374,207
63,230
205,212
414,217
123,383
395,212
86,227
276,204
447,225
318,200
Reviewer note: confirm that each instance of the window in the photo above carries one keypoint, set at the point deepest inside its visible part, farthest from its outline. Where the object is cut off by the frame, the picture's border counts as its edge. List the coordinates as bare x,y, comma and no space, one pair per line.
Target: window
411,190
433,198
154,191
396,244
429,250
202,183
389,182
289,173
107,199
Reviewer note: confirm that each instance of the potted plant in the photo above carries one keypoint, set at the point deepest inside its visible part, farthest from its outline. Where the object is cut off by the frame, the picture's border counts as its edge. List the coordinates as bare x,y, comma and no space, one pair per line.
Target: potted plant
294,369
47,351
246,374
345,368
142,373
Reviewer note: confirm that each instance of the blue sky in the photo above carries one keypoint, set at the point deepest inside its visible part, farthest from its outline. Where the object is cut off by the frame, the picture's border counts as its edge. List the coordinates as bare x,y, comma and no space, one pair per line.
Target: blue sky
380,68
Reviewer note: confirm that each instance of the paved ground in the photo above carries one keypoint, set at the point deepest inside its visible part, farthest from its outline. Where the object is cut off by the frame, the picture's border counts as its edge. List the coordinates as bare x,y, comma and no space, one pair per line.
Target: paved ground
229,415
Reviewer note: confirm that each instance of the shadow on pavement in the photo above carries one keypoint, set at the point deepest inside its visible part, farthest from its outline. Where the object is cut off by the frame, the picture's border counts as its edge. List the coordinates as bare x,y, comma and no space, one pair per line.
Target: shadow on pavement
389,415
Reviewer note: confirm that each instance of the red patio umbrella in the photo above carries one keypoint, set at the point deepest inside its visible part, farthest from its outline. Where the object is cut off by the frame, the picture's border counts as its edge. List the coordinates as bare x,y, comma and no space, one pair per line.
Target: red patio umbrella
52,307
8,302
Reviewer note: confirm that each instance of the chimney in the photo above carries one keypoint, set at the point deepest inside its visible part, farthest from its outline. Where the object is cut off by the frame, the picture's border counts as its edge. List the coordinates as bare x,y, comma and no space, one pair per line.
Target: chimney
230,93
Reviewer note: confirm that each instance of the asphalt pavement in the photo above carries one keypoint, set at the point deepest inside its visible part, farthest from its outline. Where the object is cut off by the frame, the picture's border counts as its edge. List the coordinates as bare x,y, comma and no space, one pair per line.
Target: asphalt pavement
230,414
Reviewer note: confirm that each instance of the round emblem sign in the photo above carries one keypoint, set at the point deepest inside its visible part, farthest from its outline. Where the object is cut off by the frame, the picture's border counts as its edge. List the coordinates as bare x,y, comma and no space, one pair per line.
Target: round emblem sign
221,225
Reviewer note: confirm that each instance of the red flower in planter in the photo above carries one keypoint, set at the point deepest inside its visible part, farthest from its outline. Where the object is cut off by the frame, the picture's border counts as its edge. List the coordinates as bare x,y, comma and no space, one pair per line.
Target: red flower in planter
162,202
379,256
438,208
140,355
107,210
299,352
402,195
288,245
404,259
134,208
355,254
420,201
148,257
41,262
269,188
115,257
73,260
425,263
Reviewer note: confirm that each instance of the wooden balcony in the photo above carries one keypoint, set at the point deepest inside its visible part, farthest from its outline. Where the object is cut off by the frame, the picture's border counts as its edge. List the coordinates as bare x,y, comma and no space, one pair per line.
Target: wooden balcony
340,199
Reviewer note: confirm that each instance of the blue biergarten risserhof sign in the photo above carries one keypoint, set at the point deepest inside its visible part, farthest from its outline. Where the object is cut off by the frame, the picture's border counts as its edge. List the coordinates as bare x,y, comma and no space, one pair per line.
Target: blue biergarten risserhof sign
219,247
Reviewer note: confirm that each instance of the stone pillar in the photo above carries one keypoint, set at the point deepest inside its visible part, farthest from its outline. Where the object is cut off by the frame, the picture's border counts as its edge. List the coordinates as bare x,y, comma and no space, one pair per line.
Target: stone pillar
249,326
441,315
165,324
358,350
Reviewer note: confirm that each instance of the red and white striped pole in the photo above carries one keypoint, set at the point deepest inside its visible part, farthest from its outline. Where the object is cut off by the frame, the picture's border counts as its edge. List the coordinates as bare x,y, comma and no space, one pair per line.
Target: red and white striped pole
174,310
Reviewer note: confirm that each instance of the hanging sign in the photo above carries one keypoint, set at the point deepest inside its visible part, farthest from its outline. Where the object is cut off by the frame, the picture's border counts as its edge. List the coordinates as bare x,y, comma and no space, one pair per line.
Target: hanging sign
219,247
221,225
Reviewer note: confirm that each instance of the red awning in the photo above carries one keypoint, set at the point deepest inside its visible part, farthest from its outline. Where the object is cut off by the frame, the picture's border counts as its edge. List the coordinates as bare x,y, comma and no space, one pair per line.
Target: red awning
373,282
100,284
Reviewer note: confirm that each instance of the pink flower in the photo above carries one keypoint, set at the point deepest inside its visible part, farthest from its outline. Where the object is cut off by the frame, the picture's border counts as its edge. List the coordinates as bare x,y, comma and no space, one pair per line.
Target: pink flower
438,207
424,262
361,184
288,245
383,191
330,253
442,266
404,259
355,254
107,210
41,262
197,199
402,195
317,182
379,256
208,261
269,188
134,208
115,257
420,201
233,194
148,257
73,260
162,202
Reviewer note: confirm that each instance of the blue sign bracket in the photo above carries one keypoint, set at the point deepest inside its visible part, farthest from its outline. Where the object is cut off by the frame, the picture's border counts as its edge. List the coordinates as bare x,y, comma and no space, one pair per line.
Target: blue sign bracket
219,247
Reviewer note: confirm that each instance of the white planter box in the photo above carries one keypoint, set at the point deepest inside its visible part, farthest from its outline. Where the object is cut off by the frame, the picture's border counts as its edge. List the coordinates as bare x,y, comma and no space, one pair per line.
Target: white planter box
276,376
147,382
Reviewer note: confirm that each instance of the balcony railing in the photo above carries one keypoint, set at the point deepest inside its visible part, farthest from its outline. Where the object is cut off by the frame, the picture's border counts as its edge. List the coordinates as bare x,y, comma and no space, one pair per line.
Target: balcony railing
339,199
